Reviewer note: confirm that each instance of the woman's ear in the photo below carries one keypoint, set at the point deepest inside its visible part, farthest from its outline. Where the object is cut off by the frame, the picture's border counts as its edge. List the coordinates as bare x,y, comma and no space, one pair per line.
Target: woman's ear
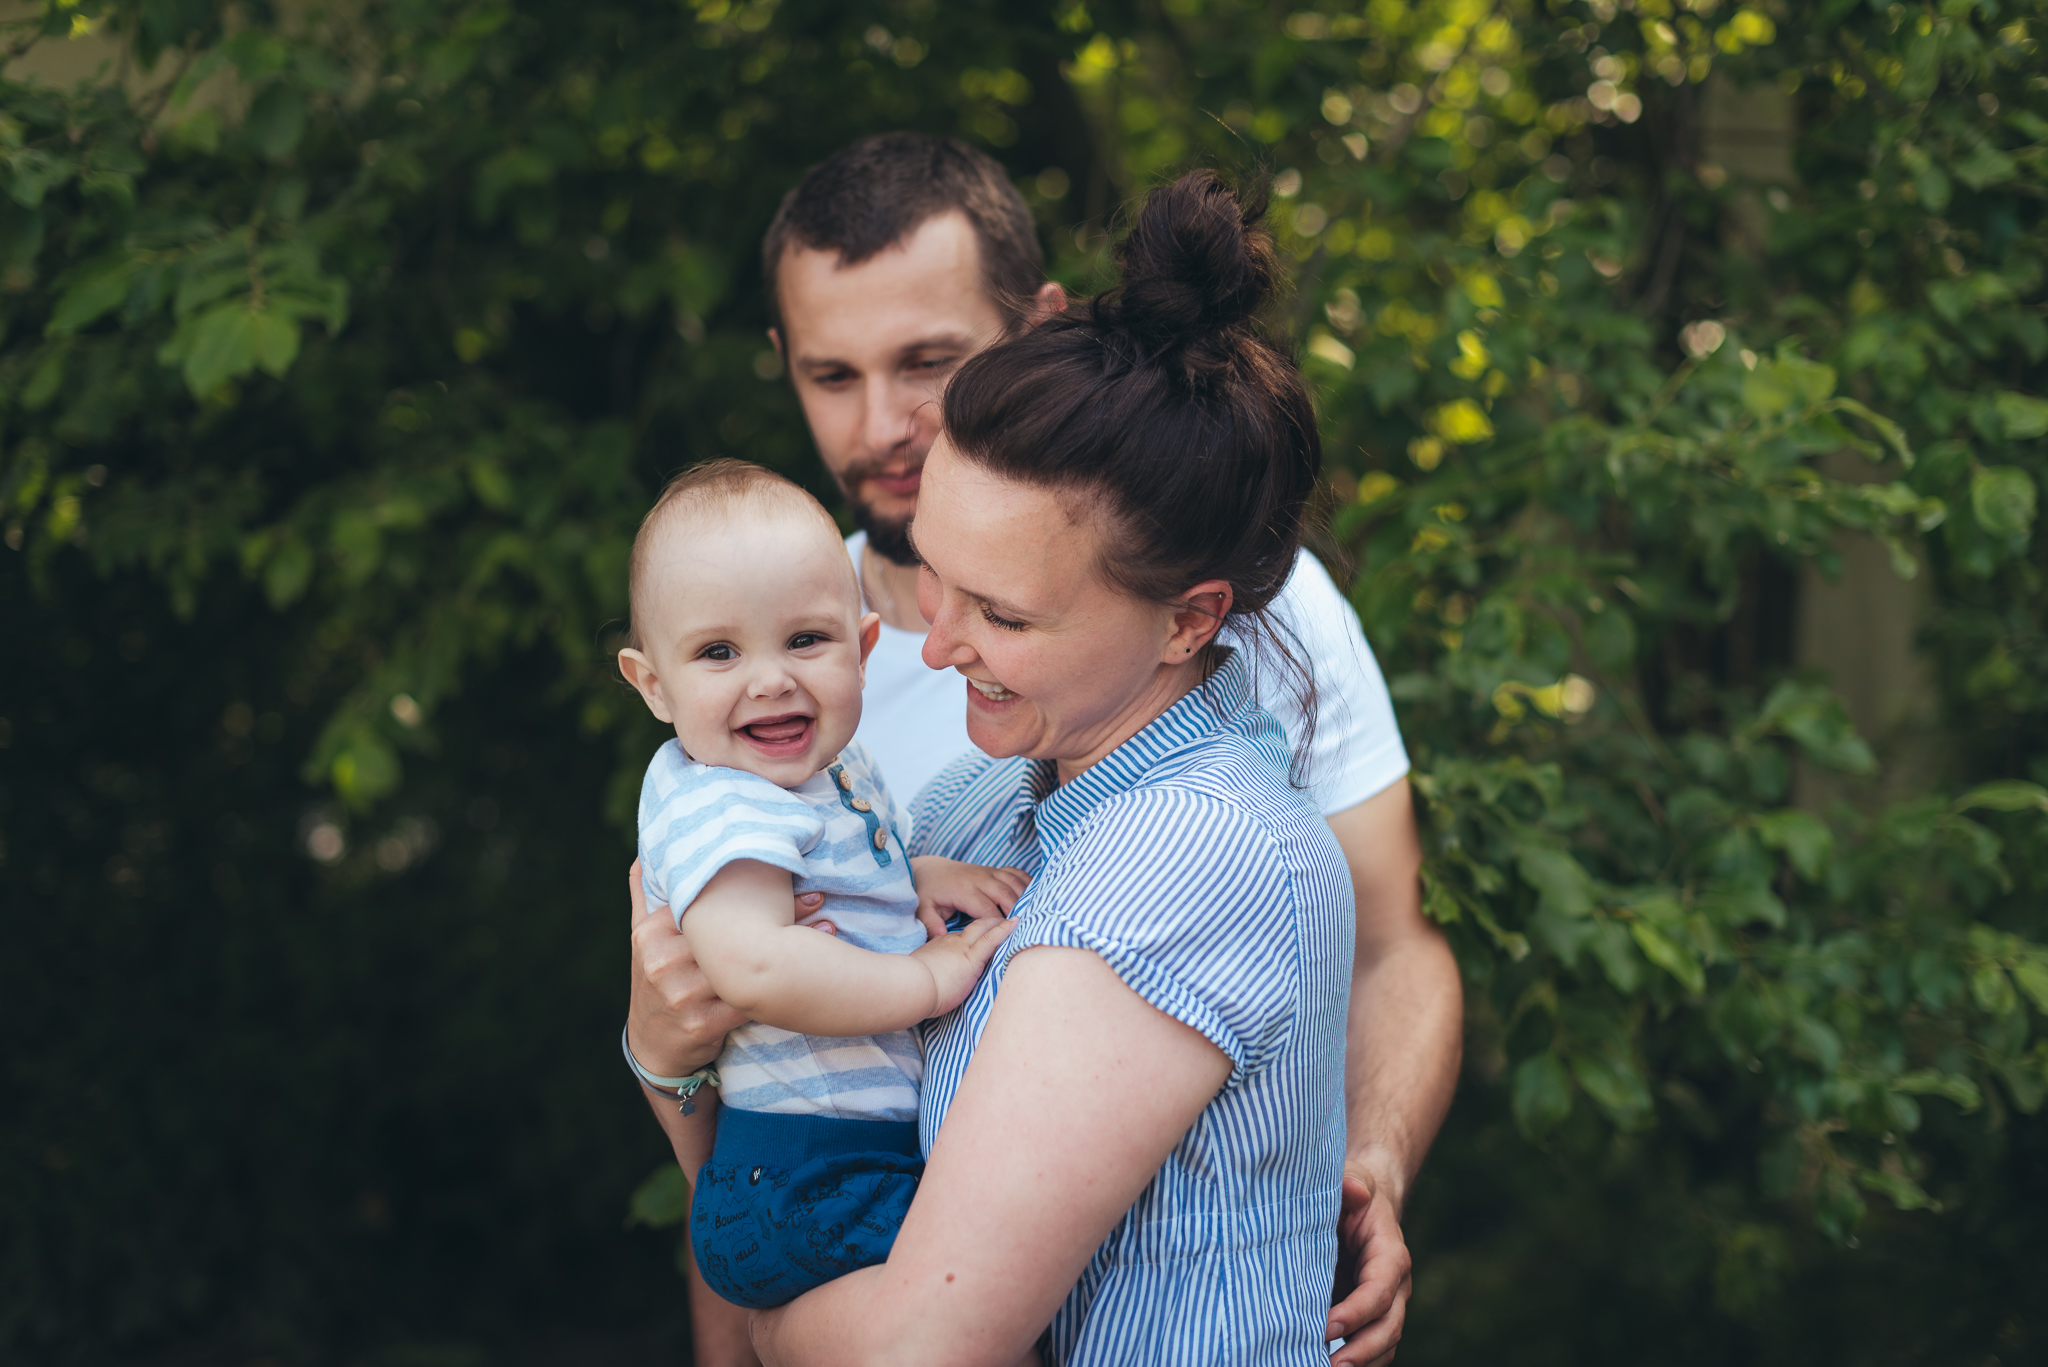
1197,617
639,672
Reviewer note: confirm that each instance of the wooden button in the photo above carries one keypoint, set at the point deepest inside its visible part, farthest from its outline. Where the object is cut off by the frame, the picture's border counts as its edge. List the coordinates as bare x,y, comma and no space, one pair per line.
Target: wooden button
846,780
881,839
861,804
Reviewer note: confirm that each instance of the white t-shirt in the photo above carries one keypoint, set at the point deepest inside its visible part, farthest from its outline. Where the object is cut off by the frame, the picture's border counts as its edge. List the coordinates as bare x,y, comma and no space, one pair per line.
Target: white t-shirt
914,720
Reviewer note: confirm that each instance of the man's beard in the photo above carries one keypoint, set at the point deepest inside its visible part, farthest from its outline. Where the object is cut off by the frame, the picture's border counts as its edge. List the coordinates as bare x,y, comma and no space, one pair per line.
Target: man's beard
888,539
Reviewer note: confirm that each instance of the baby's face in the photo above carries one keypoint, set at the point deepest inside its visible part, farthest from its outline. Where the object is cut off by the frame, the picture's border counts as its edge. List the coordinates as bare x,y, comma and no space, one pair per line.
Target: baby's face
754,642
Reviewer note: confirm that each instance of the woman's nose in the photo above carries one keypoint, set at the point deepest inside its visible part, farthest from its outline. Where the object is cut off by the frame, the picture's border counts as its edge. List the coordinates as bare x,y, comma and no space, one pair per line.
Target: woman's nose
943,647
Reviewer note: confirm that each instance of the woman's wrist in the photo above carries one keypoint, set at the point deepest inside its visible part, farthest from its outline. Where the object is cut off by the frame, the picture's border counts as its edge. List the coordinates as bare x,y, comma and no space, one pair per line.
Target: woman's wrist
670,1061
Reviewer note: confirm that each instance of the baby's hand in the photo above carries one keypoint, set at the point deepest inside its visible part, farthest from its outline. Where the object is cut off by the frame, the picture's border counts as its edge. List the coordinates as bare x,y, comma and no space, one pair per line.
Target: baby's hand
945,886
955,961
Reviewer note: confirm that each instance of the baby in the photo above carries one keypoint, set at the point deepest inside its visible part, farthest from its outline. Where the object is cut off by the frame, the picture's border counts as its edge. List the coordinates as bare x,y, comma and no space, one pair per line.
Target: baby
748,638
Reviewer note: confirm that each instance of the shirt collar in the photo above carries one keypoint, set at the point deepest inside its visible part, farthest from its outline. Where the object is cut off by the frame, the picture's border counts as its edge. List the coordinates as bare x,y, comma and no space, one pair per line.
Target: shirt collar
1205,710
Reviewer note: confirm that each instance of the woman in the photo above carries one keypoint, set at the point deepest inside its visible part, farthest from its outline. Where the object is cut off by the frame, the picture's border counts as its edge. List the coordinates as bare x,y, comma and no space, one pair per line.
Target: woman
1134,1126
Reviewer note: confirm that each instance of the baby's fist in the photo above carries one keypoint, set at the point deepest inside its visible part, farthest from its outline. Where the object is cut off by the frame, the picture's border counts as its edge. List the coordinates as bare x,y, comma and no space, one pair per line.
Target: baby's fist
956,961
946,886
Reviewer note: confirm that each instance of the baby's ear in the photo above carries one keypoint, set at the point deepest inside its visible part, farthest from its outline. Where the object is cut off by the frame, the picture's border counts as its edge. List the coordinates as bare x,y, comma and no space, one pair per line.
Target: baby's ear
870,632
639,672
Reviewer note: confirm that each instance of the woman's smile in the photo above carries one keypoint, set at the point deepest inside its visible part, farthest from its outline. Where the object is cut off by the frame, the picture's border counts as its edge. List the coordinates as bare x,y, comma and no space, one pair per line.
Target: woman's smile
991,693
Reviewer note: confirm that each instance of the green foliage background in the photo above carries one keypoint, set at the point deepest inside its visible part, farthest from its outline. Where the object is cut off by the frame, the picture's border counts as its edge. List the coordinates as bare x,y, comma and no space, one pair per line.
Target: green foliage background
343,347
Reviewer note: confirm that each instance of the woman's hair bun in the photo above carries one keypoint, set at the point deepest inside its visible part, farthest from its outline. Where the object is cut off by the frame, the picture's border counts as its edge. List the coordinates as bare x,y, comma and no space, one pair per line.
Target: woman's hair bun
1195,263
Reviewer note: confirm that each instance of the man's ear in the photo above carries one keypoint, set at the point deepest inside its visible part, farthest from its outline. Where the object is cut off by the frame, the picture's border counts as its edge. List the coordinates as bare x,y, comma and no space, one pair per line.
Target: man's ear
1049,299
639,672
870,632
1196,619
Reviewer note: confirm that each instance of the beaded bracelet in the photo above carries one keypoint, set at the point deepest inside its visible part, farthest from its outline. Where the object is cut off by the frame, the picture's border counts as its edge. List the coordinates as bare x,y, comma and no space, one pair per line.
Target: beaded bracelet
681,1089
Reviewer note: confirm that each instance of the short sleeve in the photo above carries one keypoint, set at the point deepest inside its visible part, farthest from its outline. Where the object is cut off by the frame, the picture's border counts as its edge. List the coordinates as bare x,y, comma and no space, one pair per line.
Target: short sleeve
1206,928
1357,750
695,819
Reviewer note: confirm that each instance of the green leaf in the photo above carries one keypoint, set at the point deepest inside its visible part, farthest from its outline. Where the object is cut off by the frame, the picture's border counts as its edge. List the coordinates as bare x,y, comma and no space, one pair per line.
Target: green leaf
662,1200
1803,838
1542,1094
1934,1082
1904,1192
1616,1085
222,347
2002,497
1992,990
289,571
276,342
46,379
277,119
2005,795
91,295
1610,945
365,770
1766,392
1562,884
2022,416
2030,971
1985,166
1669,955
32,173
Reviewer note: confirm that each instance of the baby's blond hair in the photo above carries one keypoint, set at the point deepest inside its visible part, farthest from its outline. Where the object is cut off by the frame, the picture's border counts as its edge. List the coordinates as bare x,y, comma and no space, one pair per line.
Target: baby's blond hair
714,488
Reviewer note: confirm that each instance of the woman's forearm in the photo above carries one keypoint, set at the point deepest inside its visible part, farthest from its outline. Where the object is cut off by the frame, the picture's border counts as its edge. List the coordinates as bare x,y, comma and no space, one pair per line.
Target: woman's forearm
1078,1091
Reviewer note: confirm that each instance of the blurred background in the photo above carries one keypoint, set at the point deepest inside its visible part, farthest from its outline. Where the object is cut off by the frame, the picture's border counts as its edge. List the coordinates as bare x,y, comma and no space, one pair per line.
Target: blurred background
1681,364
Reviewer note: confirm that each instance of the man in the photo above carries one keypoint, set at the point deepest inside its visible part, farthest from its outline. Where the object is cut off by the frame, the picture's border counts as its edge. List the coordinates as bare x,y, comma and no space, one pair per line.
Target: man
887,267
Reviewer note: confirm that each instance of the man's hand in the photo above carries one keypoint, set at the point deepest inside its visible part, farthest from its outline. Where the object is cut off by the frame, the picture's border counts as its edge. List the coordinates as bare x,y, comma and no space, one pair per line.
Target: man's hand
1369,1303
956,961
675,1023
945,886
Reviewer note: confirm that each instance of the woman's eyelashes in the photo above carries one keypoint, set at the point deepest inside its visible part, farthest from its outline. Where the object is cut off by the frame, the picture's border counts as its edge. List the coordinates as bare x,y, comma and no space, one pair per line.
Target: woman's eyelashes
989,615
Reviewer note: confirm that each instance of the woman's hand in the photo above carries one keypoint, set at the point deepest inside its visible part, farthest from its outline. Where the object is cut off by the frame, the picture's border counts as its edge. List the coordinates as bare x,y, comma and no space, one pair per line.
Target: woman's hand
945,886
675,1023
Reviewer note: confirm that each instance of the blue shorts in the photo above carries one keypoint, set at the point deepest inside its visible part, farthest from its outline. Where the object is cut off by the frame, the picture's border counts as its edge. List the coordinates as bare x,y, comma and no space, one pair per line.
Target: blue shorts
789,1202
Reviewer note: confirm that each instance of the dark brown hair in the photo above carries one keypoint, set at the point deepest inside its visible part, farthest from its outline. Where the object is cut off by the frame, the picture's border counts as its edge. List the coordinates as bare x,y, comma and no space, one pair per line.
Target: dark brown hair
870,196
1160,401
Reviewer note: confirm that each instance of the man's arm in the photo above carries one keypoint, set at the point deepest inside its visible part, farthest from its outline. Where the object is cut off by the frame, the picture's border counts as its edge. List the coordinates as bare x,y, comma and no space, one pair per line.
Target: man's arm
1404,1040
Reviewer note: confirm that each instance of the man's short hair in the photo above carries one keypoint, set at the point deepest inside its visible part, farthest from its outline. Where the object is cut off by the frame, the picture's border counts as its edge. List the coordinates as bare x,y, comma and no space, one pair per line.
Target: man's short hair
870,196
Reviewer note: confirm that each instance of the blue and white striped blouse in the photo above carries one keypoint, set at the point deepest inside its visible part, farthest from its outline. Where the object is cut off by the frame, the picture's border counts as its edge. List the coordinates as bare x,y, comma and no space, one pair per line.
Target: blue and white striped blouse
1217,894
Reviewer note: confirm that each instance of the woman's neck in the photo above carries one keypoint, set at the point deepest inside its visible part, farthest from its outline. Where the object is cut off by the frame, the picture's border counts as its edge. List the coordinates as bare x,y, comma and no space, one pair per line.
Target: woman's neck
1169,685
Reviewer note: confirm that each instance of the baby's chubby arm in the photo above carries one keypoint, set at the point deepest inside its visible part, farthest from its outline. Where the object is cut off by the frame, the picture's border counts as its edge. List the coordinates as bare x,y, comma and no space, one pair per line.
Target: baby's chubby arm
744,933
945,886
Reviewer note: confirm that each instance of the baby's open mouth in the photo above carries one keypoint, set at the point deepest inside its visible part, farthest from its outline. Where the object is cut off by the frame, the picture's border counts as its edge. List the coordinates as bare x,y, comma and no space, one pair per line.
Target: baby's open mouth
779,732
